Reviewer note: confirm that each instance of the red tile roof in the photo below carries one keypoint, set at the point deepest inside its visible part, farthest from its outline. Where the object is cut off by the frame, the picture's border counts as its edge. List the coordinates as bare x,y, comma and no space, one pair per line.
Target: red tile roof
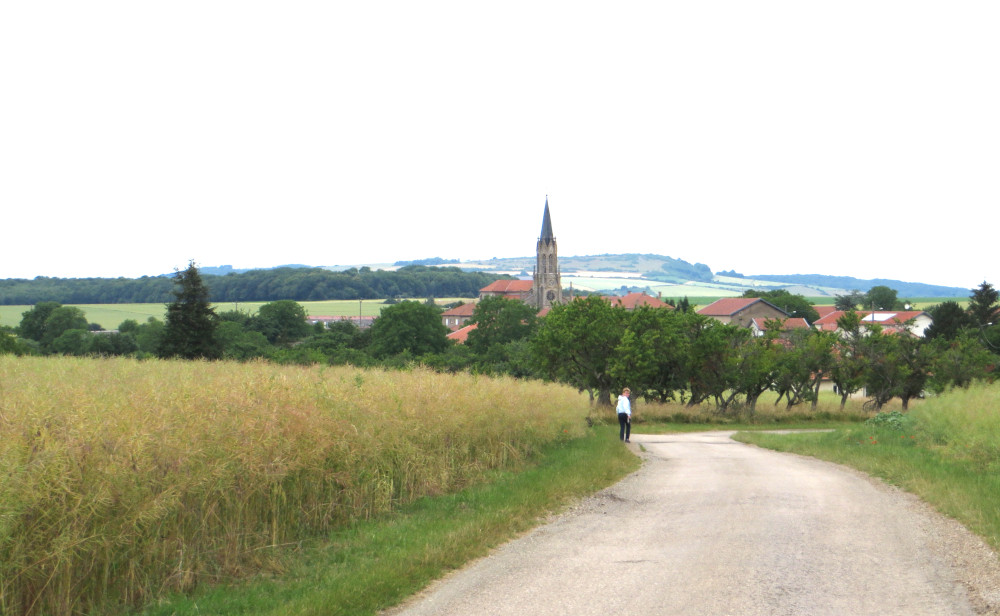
728,306
462,335
633,300
508,286
822,311
465,310
786,324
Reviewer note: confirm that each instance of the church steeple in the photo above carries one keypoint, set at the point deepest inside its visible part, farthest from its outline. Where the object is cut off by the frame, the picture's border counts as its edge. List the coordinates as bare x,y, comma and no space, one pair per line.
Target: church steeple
547,287
546,235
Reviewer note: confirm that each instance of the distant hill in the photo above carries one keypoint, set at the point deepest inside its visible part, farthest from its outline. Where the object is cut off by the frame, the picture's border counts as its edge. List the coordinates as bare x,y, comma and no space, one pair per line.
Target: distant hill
655,269
904,289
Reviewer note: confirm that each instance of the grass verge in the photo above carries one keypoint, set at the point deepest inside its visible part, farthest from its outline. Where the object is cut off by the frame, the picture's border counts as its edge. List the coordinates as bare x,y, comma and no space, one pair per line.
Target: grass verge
374,564
943,452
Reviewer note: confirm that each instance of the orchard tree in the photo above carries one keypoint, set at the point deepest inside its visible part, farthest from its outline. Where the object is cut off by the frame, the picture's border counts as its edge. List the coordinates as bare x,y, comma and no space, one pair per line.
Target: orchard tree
848,369
958,361
652,356
576,343
191,323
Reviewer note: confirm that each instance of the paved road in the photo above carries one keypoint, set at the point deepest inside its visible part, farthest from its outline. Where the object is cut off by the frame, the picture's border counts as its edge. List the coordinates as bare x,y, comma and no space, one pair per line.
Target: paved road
711,526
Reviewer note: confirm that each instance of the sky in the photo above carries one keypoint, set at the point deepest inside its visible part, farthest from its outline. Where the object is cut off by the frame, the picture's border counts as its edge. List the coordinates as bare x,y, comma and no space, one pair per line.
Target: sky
846,138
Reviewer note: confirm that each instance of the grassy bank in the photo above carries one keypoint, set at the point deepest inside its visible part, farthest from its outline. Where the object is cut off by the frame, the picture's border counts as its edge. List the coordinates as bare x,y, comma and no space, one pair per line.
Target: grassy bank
123,480
946,451
373,564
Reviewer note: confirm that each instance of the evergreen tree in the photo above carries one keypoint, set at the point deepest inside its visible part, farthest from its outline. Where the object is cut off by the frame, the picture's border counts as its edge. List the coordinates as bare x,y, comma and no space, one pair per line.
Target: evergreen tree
983,305
191,323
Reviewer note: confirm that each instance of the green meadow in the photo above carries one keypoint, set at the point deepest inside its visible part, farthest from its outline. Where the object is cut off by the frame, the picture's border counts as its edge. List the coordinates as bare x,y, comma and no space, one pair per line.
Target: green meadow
110,316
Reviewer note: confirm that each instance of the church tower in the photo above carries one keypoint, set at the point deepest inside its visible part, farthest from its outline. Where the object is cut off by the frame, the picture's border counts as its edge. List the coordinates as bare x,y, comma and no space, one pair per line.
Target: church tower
547,288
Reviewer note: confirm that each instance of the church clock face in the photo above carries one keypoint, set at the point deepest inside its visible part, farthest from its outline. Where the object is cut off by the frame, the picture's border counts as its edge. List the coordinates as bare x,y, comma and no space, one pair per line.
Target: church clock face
551,295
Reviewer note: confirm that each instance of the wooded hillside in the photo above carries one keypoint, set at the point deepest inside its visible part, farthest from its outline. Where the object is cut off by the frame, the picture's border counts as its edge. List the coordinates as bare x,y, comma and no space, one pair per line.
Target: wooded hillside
300,284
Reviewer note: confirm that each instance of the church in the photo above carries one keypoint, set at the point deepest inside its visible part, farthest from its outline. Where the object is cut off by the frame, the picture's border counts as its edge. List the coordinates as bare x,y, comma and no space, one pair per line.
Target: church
545,288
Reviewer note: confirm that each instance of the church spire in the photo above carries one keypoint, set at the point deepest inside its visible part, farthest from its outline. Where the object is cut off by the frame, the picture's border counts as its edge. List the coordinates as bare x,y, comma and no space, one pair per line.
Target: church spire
546,236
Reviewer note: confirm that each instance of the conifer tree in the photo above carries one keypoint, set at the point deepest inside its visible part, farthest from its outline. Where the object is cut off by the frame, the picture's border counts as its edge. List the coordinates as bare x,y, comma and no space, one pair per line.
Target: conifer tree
191,322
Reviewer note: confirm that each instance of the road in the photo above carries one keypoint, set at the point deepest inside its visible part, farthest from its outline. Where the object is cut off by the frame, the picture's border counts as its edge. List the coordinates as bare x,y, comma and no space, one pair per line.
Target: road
709,526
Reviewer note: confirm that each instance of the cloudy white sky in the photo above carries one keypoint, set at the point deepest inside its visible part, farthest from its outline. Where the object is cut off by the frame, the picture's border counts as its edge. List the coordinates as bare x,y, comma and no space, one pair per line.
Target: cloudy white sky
857,138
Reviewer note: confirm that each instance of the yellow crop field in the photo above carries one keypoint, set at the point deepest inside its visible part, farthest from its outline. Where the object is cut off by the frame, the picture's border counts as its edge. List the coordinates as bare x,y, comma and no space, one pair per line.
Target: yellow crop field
123,479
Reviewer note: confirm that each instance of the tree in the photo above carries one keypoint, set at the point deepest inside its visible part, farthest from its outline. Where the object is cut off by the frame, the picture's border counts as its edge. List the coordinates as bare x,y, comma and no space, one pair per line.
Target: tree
11,345
498,321
60,320
848,370
32,325
983,305
851,301
408,327
653,353
881,298
958,361
576,342
281,322
191,322
949,319
797,306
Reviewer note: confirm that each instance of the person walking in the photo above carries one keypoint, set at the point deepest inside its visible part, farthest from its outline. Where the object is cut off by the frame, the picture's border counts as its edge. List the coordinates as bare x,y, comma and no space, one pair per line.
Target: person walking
625,415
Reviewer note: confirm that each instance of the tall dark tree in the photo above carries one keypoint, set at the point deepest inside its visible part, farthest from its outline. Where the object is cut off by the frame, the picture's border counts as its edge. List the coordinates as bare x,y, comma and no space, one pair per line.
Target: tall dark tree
949,321
983,305
191,322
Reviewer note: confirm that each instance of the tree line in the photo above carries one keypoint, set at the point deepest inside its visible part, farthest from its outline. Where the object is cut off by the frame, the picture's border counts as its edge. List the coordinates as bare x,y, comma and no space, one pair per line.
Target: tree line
662,355
300,284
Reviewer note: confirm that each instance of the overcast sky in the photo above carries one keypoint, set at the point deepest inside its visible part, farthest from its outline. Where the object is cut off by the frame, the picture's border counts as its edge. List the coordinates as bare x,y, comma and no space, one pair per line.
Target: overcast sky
846,138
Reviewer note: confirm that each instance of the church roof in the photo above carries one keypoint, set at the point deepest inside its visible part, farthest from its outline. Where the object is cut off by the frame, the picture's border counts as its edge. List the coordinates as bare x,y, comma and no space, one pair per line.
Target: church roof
508,286
546,235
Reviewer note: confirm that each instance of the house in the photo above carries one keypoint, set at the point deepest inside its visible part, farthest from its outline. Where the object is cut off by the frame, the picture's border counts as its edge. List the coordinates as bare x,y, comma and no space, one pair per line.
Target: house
759,325
509,289
891,321
634,300
742,310
456,317
461,336
363,322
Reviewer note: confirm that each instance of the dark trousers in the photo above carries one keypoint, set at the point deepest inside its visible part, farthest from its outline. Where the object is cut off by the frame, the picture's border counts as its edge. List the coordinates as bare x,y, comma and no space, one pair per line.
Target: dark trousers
626,426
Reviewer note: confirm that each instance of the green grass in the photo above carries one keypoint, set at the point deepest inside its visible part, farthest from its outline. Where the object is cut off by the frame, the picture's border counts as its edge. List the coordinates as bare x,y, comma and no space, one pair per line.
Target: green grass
374,564
947,452
110,316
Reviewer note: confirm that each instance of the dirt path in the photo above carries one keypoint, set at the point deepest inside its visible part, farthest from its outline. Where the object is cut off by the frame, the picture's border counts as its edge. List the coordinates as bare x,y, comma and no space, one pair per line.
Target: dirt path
711,526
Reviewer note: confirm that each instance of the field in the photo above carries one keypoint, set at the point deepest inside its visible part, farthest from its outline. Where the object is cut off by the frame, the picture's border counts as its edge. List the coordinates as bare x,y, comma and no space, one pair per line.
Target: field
125,479
110,316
